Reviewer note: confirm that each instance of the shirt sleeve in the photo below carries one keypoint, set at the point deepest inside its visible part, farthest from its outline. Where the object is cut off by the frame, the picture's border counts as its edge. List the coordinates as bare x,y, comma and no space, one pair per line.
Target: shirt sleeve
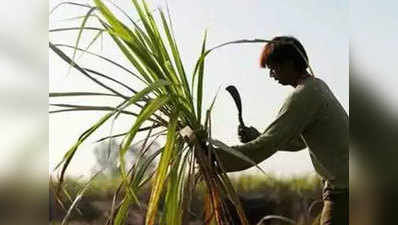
296,114
296,144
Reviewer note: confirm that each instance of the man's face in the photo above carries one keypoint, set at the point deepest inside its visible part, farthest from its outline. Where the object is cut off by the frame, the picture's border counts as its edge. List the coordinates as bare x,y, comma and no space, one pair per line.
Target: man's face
282,72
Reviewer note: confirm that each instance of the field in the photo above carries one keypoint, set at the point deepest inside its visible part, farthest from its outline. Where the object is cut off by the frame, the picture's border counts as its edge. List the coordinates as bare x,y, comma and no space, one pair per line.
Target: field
289,197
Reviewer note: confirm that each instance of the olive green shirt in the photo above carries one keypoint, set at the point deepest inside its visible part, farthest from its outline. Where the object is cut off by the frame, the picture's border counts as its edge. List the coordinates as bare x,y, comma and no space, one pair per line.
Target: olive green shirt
310,117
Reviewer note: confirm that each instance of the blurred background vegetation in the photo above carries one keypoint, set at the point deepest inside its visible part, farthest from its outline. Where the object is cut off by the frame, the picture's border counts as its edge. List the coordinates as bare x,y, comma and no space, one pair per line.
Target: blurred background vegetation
296,197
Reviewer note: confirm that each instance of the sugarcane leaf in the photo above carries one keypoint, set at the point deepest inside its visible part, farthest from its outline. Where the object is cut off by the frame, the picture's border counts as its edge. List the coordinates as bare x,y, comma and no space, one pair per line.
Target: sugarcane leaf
200,81
117,27
111,79
133,22
77,18
63,56
121,214
161,171
177,189
122,134
78,109
172,212
84,106
145,21
145,163
243,41
99,33
68,3
81,31
154,86
144,73
106,59
142,59
236,153
240,41
148,110
67,59
77,199
70,153
75,28
70,94
208,112
276,217
176,56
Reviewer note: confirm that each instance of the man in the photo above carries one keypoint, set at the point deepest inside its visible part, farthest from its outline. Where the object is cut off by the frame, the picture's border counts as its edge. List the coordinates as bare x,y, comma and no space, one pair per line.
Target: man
310,117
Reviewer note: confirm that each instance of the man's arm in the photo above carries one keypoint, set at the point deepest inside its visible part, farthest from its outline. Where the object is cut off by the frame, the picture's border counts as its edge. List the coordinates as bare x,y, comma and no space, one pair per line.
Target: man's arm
297,112
247,134
294,145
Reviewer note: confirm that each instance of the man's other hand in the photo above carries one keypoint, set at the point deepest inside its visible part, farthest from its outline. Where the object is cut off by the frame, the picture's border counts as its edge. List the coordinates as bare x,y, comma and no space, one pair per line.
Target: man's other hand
247,134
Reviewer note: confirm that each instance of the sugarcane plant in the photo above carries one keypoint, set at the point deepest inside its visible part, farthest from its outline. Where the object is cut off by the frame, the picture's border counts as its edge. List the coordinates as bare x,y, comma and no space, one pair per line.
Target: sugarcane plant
170,102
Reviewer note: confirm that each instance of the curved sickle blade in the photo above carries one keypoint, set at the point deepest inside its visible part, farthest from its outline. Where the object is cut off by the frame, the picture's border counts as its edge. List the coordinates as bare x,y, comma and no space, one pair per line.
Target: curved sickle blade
236,96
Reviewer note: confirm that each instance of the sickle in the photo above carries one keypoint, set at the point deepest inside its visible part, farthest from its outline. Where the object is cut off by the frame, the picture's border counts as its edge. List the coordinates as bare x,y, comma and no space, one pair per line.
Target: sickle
236,96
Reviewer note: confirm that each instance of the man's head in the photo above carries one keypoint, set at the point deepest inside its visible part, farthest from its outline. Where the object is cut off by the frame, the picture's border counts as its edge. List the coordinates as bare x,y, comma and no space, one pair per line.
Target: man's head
286,59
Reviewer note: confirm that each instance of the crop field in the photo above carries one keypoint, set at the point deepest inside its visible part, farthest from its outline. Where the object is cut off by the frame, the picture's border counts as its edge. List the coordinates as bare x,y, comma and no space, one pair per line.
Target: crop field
296,198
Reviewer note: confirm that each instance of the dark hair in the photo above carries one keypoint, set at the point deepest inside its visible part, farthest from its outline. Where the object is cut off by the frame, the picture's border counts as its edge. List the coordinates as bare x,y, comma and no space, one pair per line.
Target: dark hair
281,49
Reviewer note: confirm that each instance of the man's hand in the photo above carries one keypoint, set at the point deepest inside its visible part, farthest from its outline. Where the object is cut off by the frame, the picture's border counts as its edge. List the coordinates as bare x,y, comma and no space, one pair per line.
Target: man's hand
247,134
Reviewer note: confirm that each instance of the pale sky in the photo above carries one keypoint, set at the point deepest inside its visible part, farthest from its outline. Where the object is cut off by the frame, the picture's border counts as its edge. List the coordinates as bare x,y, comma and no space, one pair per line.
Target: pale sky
321,26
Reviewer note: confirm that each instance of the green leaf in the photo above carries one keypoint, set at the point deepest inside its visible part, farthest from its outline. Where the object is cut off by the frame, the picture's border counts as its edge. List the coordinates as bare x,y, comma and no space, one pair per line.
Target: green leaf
70,61
68,3
176,55
200,81
70,153
89,108
106,59
81,31
149,109
117,26
123,134
110,78
99,34
121,214
208,112
236,153
77,199
143,166
161,171
75,28
145,113
241,41
173,203
140,68
68,94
